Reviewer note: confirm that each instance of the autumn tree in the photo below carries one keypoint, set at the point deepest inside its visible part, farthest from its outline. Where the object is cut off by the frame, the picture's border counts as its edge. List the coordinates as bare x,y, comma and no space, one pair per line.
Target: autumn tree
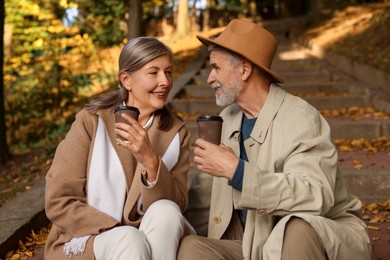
103,21
48,68
206,17
4,154
134,19
182,19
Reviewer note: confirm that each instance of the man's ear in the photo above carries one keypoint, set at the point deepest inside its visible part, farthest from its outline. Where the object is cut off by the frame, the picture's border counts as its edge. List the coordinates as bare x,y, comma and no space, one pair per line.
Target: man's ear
246,69
125,80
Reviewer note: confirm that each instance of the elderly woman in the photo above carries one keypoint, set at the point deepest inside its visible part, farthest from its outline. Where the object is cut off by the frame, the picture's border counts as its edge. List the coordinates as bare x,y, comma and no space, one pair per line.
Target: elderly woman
118,190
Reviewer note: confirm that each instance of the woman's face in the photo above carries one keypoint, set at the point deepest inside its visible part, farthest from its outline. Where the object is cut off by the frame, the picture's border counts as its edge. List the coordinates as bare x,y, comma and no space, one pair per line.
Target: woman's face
149,86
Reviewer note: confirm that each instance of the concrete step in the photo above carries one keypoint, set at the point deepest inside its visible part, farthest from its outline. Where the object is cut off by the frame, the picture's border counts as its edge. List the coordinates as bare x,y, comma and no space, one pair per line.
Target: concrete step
307,78
201,91
367,128
307,64
368,185
336,102
200,79
201,106
337,88
208,105
290,78
283,67
318,89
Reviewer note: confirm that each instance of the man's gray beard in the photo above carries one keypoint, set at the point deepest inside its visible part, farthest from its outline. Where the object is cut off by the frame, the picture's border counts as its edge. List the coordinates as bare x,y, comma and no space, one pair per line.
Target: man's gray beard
226,98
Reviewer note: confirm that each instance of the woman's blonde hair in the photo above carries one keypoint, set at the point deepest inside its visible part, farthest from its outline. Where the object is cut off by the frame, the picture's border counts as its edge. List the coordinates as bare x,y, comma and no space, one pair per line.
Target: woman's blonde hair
134,55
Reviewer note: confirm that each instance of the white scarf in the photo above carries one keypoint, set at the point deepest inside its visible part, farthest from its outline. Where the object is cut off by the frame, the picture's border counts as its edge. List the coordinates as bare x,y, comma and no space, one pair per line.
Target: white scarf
107,182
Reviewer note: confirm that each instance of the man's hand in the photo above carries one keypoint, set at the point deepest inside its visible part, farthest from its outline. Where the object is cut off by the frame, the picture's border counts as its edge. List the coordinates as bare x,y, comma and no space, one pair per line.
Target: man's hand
219,161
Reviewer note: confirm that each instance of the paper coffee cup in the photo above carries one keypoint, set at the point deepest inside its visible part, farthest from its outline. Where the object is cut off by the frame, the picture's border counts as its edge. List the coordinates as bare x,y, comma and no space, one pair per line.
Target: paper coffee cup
210,128
128,110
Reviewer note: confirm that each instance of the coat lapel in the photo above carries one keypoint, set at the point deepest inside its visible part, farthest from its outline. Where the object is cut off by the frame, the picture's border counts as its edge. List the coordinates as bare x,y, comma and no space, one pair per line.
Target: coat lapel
126,158
130,166
268,112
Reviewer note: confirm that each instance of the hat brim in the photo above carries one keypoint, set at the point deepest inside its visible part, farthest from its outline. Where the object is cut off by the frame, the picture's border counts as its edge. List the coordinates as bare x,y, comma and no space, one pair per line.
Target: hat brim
207,42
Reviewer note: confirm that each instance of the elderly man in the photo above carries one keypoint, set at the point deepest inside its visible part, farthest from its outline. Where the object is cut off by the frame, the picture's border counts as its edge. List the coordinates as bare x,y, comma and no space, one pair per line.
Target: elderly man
277,190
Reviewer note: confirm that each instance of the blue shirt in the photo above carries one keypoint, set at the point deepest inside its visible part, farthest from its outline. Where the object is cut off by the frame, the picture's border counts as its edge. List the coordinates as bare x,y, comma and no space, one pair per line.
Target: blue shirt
246,130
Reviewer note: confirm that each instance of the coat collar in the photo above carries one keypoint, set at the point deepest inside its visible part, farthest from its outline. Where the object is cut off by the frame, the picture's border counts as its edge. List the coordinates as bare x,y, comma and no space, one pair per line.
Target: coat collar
271,106
268,112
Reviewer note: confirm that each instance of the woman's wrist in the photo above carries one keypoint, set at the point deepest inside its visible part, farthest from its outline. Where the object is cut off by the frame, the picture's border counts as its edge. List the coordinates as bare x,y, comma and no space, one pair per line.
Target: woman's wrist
150,170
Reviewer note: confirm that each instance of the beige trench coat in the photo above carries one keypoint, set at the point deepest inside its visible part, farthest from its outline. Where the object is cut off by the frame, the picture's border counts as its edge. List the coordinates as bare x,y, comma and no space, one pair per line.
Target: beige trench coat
66,182
292,170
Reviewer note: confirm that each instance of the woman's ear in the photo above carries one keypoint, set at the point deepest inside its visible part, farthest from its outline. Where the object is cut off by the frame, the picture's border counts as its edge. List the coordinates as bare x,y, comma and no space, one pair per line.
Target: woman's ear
246,69
125,80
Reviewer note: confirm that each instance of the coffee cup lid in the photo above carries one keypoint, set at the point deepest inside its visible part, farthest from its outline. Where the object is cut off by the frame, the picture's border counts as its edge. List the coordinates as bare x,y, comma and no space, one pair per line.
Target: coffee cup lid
209,118
126,108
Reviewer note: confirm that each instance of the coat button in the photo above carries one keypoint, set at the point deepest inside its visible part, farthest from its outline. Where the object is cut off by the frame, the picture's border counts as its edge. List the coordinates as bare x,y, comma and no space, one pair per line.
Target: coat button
217,220
261,211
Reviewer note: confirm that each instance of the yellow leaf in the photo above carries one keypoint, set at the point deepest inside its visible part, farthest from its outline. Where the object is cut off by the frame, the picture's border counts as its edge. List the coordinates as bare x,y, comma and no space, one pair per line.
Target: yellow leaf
376,219
21,245
371,206
358,166
356,161
373,228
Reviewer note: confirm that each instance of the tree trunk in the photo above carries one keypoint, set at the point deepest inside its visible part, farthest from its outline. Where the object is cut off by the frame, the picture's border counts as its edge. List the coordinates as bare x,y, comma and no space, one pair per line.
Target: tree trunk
4,153
134,20
252,9
318,5
193,19
182,18
206,17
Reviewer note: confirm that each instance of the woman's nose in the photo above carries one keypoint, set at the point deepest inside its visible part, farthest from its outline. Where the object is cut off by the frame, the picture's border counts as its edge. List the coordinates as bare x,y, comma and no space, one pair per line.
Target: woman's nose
164,79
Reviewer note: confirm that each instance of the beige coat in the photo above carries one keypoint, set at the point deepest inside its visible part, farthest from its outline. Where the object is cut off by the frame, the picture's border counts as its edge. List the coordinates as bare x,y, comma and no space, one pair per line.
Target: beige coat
292,170
67,180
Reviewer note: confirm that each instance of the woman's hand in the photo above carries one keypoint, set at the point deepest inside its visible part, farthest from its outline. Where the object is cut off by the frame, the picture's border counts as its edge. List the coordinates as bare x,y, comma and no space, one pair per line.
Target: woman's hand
136,140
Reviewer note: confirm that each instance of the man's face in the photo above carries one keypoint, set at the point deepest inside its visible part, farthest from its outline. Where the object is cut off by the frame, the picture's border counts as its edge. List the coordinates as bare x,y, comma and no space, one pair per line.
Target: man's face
224,79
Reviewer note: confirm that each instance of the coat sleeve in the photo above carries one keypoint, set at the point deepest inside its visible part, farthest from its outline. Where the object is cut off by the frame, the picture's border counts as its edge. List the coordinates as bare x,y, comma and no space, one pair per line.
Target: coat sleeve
172,184
298,170
65,197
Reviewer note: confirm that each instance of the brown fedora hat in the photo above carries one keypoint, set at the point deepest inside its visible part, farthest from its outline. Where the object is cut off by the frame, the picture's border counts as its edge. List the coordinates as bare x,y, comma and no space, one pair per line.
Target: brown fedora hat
249,40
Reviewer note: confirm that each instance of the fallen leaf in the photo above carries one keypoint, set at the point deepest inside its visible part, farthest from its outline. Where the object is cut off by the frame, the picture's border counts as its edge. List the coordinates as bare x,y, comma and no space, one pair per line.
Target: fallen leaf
377,218
373,227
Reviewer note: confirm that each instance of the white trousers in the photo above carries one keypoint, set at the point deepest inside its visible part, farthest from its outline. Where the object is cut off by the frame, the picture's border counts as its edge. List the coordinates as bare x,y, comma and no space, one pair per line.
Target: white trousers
158,236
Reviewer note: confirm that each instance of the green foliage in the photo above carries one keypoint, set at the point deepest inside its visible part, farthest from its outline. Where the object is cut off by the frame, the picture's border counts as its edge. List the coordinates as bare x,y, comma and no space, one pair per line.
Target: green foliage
45,71
103,21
